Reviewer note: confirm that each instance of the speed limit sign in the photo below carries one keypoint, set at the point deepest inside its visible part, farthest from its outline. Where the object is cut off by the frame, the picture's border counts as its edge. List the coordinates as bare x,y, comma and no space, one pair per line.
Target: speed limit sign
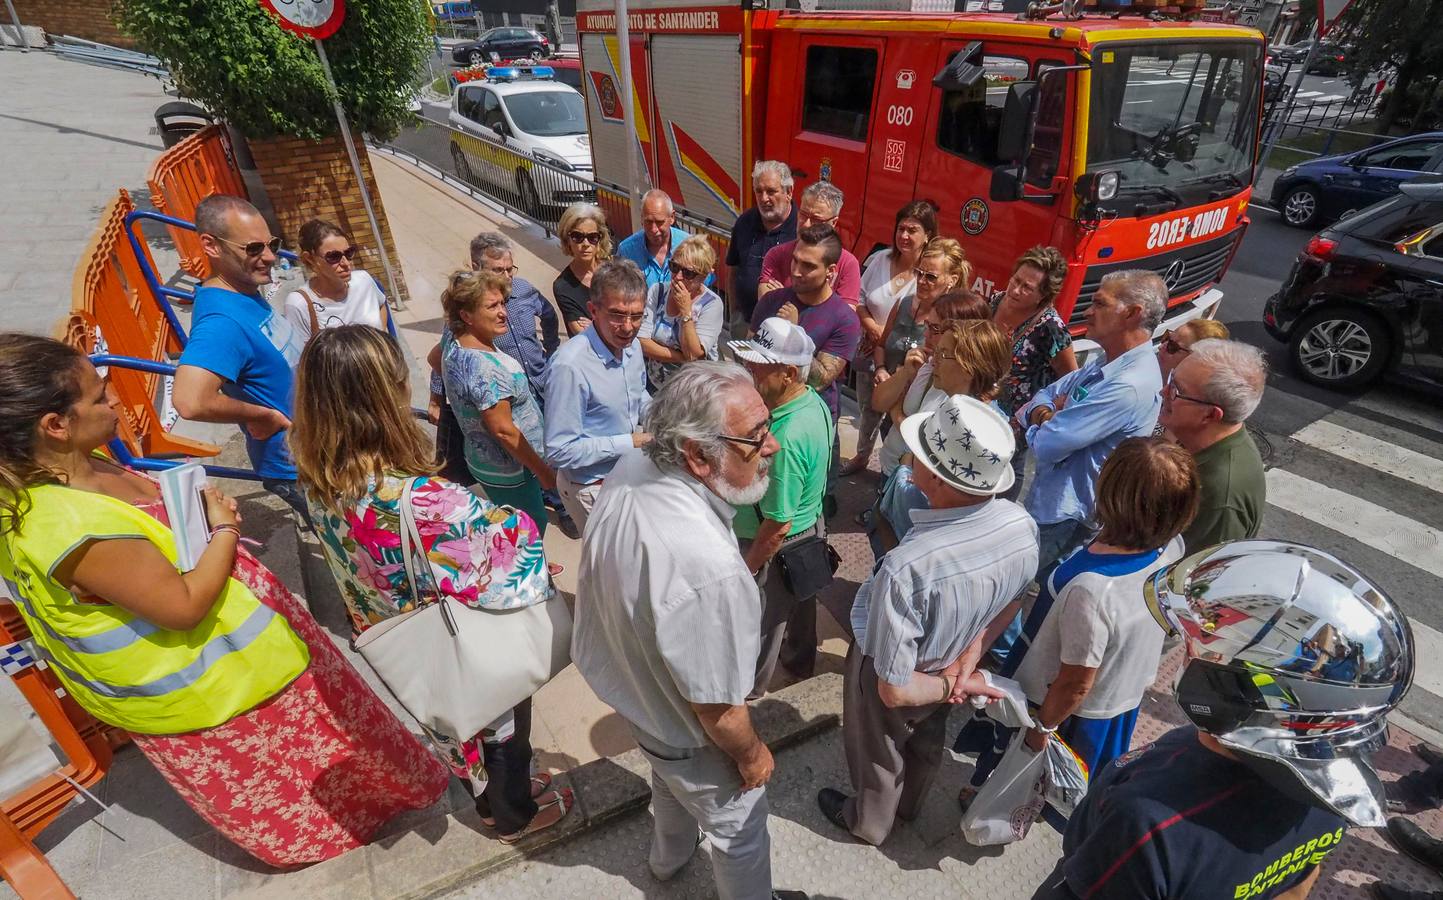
309,18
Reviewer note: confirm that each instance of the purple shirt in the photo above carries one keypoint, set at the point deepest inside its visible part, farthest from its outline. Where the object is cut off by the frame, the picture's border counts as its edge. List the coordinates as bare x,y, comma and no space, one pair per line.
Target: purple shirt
832,325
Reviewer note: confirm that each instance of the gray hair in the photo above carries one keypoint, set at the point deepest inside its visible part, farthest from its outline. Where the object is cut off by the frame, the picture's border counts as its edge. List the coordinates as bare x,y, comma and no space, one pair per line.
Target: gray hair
1237,374
691,407
1140,287
618,277
212,215
774,167
826,192
659,194
488,243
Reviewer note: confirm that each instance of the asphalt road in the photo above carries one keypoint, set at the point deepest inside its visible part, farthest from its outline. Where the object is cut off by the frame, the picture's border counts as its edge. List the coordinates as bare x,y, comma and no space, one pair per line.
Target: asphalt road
1358,475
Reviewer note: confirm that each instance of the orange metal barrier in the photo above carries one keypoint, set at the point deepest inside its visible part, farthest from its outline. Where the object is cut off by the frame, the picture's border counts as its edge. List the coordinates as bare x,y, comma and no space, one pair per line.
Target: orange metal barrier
109,298
197,167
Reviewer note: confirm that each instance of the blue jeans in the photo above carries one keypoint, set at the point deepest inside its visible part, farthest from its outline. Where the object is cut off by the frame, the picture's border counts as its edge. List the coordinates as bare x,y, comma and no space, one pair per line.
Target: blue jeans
1056,540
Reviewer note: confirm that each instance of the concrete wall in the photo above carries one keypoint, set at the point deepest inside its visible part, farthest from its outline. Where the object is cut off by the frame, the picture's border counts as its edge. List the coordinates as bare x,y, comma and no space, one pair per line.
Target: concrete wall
88,19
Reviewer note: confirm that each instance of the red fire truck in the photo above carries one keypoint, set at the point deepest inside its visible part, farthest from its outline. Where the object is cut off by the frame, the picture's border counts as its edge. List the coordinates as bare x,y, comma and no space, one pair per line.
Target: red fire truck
1125,140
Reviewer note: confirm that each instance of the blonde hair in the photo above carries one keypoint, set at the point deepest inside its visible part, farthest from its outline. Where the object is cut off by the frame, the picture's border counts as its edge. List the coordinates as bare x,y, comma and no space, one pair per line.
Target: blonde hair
353,417
695,253
1204,330
574,215
952,255
984,352
468,289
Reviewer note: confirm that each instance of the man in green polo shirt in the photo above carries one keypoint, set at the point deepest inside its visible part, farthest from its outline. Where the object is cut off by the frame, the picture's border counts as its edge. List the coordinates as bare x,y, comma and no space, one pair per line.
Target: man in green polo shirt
778,358
1204,404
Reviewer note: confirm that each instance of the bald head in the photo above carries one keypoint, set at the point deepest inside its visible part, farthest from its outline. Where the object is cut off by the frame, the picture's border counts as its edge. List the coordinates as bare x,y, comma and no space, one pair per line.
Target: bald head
658,214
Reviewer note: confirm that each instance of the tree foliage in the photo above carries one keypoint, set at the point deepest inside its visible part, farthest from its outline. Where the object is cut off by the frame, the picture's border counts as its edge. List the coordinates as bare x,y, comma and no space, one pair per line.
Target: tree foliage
232,57
1398,34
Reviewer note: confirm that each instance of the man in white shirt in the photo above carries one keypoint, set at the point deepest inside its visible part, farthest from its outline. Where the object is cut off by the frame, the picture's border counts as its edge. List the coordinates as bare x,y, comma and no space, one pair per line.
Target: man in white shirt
668,621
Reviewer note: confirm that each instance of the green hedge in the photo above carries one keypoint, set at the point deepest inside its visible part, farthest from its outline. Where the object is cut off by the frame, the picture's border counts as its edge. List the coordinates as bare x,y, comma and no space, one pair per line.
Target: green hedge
231,57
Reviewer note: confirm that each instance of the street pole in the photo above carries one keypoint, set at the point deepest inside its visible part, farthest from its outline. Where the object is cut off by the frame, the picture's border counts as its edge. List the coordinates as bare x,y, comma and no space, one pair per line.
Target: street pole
628,116
397,302
19,29
1287,113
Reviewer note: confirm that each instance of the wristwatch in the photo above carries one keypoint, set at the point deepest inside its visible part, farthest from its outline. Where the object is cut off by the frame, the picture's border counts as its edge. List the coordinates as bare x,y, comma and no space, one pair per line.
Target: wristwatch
682,320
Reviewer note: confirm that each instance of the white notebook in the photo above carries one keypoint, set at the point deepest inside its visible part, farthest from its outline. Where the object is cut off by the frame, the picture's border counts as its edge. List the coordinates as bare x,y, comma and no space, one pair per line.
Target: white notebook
180,489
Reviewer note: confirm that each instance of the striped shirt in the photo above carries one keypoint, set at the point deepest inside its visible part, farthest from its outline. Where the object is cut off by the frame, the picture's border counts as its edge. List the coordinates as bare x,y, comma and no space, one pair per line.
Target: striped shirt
942,586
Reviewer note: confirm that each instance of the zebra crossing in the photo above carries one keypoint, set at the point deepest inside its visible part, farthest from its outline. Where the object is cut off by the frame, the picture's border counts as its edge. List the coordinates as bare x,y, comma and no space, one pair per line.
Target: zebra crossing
1364,480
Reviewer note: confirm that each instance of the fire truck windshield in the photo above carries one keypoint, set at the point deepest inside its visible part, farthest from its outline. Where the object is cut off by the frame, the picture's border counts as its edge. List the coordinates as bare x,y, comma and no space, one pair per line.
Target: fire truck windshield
1177,121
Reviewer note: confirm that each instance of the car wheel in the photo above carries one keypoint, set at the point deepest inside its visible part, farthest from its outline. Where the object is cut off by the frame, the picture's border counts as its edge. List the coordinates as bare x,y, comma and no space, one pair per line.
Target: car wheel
1301,207
537,53
462,164
476,57
1339,348
526,189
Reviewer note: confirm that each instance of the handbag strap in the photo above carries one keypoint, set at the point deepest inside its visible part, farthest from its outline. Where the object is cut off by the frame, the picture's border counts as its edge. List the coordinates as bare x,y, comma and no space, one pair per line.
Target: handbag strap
411,545
311,302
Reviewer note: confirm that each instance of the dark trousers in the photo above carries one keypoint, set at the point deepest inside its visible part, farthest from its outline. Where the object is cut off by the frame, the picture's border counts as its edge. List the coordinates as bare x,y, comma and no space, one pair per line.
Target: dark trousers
507,797
289,491
834,471
451,448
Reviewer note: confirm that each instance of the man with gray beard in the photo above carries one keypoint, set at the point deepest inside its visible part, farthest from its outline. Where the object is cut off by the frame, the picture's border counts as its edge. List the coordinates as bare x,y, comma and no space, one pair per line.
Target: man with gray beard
668,621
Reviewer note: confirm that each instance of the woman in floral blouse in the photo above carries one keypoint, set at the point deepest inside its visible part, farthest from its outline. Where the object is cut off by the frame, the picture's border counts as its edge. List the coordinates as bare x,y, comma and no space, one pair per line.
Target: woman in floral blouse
356,446
1041,344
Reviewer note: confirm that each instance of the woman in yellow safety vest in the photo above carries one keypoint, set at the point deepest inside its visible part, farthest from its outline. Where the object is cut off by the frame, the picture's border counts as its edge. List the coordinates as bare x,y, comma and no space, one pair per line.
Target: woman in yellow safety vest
229,687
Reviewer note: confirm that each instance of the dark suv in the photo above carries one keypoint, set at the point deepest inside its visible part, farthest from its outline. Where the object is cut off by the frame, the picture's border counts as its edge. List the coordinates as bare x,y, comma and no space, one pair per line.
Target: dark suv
1366,295
506,43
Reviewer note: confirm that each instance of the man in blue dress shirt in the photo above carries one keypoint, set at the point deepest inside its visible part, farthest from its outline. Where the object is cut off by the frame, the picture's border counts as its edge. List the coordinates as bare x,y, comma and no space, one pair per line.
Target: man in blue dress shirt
651,247
596,389
1075,422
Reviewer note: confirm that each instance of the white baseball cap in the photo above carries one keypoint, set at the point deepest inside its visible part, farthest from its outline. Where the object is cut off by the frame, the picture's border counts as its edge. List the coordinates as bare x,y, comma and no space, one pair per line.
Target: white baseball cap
777,342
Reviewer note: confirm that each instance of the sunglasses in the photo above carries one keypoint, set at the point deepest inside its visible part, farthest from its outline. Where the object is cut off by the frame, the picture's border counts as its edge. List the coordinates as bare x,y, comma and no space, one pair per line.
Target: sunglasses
584,237
935,329
1170,344
683,271
255,248
926,277
335,256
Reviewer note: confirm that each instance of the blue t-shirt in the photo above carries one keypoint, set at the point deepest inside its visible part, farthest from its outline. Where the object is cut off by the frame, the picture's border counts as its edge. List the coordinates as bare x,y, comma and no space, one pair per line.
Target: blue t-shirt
254,350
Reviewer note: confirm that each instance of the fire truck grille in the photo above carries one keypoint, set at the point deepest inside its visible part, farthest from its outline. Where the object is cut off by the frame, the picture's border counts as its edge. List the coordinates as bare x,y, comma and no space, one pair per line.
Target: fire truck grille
1186,271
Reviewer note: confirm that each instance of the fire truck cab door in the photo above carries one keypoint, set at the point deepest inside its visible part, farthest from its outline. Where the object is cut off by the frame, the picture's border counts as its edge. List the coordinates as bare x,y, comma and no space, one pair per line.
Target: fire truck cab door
959,154
835,118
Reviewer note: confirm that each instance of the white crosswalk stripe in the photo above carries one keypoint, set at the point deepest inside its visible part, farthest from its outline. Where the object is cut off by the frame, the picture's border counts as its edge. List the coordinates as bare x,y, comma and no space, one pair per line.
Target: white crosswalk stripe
1400,462
1367,523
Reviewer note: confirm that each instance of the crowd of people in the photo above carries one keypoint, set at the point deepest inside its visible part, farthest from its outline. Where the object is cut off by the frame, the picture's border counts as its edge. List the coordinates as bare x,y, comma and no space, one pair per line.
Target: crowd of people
692,444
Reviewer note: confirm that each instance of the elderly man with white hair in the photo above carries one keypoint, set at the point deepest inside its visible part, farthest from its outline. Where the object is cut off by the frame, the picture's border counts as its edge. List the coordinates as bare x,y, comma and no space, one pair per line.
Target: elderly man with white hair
820,204
668,620
652,246
1205,402
772,221
1073,424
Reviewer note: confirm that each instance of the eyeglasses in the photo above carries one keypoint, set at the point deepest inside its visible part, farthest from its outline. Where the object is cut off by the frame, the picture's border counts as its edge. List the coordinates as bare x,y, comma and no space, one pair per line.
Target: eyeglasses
756,443
335,256
254,248
1170,344
508,271
624,318
935,329
584,237
683,271
926,277
1170,390
953,356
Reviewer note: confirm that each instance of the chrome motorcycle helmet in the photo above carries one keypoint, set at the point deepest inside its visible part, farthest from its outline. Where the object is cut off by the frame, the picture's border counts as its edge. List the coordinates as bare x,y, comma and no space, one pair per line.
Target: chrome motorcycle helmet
1293,660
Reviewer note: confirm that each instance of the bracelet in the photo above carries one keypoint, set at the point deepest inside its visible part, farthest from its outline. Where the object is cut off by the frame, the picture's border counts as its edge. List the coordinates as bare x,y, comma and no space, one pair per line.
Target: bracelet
946,687
1043,729
226,526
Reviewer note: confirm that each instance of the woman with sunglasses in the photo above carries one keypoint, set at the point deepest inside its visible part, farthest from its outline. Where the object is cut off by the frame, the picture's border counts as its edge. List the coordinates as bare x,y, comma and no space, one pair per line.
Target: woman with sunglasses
887,280
1177,343
941,268
586,239
683,316
338,293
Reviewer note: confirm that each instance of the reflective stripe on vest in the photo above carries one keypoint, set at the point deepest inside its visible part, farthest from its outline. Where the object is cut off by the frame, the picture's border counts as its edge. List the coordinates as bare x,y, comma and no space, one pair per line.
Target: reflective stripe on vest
117,638
210,654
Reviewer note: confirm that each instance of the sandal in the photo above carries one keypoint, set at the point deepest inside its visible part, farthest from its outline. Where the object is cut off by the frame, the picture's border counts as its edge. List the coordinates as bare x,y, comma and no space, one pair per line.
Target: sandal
540,784
563,801
554,569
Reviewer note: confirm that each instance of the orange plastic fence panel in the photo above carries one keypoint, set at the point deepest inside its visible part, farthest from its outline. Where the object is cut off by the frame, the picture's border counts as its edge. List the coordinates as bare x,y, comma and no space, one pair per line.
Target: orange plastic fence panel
25,868
109,294
197,167
85,742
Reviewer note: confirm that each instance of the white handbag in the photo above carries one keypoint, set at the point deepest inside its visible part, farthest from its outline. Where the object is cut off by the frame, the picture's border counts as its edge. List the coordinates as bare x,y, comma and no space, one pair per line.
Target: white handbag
457,669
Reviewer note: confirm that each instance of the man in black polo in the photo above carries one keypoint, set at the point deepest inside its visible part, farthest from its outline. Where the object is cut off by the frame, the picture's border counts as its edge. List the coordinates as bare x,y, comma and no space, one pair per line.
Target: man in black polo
771,222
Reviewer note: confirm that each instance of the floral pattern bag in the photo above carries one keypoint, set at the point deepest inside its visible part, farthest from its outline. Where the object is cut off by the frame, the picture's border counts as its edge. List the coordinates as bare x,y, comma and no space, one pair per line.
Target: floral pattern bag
456,668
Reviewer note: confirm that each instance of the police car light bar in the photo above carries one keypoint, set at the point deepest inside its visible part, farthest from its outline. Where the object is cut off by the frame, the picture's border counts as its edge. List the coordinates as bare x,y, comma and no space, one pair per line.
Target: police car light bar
511,73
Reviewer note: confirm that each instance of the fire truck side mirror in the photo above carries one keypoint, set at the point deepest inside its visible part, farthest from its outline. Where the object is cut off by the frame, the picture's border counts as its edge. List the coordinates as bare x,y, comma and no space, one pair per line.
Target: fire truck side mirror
1013,132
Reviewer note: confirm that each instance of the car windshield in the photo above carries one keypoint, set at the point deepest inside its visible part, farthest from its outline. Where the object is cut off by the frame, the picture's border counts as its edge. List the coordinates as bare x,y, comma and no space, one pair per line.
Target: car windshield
547,113
1176,121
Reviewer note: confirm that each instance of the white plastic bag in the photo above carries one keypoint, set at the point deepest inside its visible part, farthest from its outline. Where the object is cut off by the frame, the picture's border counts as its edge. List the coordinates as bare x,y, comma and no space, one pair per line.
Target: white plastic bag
1008,804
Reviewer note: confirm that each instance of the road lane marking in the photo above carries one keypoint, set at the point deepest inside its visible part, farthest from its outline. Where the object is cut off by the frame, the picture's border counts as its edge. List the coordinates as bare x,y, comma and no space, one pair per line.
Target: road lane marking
1402,408
1428,656
1353,517
1366,450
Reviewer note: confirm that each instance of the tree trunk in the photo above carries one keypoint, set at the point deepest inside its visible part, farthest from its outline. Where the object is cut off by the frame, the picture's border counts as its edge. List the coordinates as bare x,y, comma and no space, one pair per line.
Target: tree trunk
1394,107
313,180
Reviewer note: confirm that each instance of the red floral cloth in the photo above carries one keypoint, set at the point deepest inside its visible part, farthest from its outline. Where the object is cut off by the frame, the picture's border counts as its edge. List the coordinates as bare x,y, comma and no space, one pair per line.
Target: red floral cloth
312,772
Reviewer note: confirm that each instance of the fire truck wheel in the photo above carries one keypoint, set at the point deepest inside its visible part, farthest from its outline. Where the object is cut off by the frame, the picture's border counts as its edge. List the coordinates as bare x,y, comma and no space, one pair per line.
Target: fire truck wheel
1302,206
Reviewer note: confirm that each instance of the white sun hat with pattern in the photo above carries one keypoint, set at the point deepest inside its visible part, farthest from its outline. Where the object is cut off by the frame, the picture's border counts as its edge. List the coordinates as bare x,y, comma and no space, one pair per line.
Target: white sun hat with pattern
964,442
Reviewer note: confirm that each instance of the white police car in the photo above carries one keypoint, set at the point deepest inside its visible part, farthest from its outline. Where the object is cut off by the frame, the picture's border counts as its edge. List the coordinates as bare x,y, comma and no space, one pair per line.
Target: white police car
516,115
